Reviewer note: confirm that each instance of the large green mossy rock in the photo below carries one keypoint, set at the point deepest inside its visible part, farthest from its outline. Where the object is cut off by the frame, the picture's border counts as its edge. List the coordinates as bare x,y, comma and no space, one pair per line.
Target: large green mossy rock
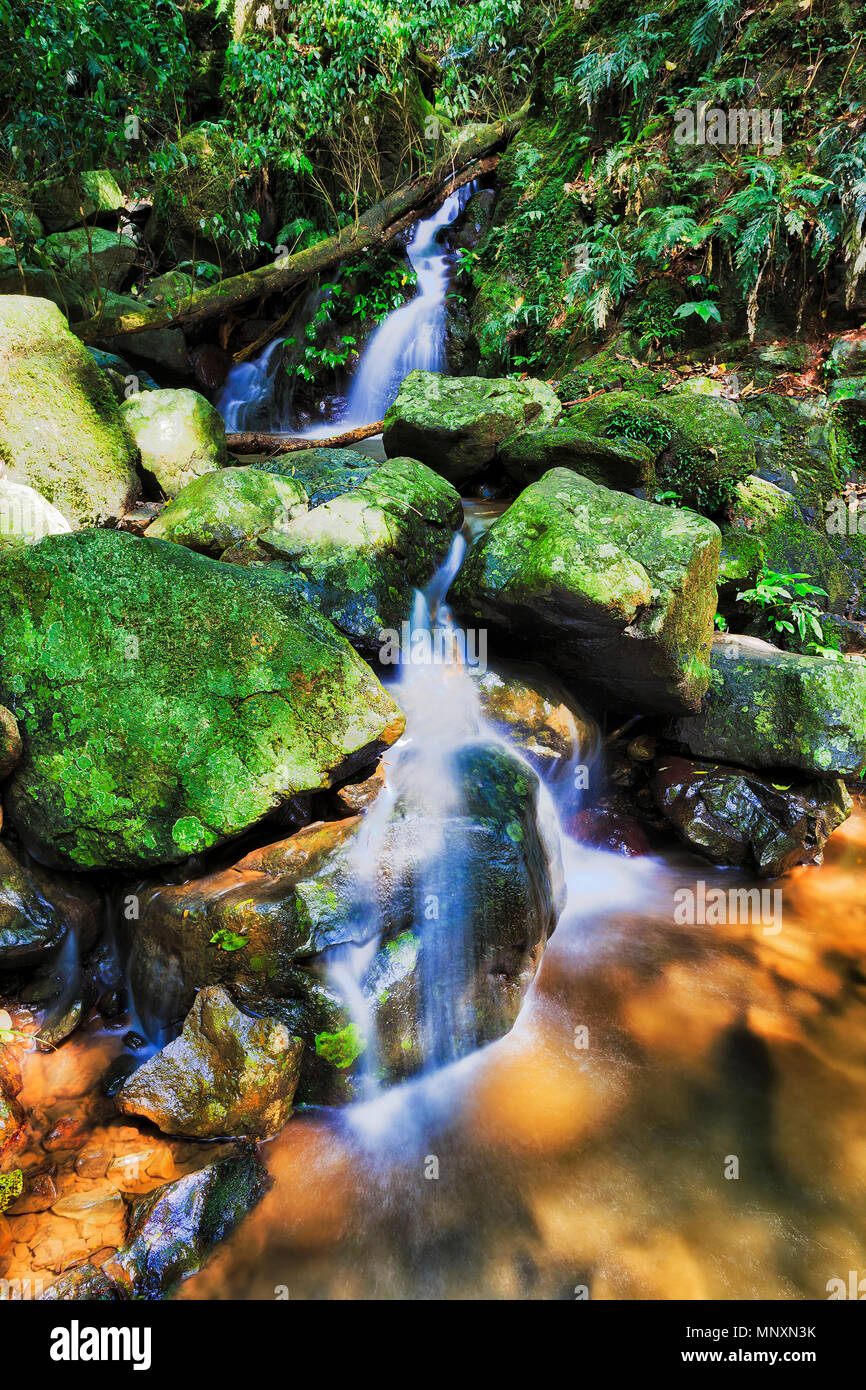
456,424
603,587
168,702
324,474
624,464
769,708
66,202
25,516
765,526
701,446
181,436
223,508
92,258
226,1076
61,431
362,556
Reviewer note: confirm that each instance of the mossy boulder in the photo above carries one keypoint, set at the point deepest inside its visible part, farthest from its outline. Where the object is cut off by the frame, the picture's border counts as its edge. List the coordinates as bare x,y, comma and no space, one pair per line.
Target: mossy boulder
41,282
168,702
701,446
179,433
66,202
226,1076
624,464
456,424
769,708
26,516
601,586
736,817
362,556
765,525
324,474
267,927
244,926
195,195
92,258
226,507
61,430
162,347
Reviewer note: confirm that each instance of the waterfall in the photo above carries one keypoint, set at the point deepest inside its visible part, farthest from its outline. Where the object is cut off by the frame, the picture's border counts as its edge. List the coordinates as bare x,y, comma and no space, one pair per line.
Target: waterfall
258,395
412,338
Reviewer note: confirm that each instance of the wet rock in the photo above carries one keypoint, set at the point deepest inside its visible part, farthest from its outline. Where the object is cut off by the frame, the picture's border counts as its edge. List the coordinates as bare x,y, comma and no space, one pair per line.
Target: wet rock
168,702
180,434
26,516
243,926
211,365
66,202
324,474
226,1076
600,586
456,424
359,795
85,1283
737,817
174,1229
490,870
11,745
701,446
92,258
11,1111
61,431
362,556
37,911
625,464
226,508
538,716
610,830
117,1074
769,708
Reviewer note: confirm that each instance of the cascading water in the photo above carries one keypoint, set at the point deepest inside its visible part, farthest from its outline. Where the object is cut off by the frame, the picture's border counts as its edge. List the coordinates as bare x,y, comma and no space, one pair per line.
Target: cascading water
439,693
257,395
412,338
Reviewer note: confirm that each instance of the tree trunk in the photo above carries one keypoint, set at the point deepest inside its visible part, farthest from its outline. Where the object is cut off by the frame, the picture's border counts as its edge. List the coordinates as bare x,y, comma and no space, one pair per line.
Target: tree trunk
286,444
465,161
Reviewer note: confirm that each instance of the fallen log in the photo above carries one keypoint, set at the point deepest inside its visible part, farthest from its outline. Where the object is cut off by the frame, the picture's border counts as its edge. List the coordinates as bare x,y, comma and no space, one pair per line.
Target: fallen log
290,444
465,160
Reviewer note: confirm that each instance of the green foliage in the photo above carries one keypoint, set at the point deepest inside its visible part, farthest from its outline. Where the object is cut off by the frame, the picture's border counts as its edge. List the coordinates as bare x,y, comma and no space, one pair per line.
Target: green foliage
362,294
71,71
227,940
786,602
343,1048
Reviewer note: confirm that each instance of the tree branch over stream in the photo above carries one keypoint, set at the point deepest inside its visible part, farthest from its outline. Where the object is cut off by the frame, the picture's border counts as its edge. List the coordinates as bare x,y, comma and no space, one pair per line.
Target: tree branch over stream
469,156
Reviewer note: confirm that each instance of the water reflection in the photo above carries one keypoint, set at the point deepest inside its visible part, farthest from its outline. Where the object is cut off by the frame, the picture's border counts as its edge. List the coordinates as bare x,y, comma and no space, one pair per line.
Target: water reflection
710,1050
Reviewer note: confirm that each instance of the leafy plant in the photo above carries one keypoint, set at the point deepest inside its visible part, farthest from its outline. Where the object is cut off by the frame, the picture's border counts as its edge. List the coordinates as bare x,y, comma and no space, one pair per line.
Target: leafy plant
787,603
227,940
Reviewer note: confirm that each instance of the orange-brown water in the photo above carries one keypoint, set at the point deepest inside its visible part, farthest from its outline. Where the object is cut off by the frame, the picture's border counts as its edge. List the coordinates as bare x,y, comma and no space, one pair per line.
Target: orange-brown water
561,1167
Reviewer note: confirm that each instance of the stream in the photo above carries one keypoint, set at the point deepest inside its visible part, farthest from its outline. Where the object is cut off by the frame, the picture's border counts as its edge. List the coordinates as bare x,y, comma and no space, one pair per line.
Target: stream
675,1114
